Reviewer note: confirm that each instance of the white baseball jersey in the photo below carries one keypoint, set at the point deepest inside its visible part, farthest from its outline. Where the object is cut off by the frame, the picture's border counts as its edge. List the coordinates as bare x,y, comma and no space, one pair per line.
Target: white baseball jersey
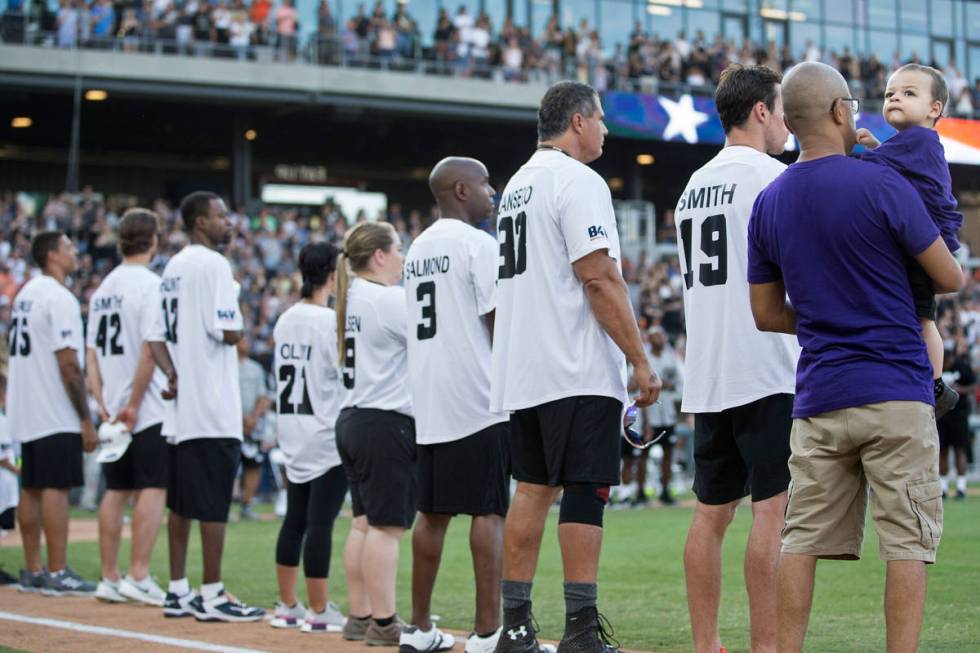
308,391
729,362
450,282
199,302
46,318
121,315
547,342
376,370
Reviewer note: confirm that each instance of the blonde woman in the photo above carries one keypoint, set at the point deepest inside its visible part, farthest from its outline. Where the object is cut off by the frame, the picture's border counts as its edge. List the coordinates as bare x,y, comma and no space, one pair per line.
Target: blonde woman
375,430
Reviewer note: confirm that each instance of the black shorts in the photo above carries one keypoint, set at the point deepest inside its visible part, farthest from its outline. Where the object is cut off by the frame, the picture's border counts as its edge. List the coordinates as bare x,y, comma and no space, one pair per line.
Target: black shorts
666,443
923,291
377,448
470,476
52,462
954,431
145,464
566,441
743,450
203,476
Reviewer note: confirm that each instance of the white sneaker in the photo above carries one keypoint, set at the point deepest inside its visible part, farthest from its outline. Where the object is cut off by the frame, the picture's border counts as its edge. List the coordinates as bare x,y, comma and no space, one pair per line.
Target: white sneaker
145,591
331,620
288,617
477,644
414,638
109,592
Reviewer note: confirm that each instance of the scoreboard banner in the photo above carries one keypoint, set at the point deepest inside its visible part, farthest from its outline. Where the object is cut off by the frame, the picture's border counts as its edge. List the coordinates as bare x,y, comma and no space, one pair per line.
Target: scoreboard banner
694,119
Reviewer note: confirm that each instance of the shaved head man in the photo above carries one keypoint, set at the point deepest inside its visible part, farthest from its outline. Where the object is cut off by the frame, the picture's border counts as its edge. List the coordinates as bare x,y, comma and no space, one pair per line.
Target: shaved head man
834,234
458,184
463,461
819,109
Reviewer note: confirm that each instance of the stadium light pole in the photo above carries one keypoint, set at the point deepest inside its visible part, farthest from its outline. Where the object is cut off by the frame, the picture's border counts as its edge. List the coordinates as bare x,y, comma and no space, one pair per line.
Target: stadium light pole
71,176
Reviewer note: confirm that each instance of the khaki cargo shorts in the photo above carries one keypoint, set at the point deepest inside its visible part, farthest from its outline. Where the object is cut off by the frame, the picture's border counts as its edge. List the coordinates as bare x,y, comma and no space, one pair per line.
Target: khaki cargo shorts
891,447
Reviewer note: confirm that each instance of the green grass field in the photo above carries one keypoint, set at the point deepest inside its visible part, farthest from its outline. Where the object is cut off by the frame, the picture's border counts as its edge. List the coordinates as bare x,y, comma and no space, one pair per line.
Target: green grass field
642,582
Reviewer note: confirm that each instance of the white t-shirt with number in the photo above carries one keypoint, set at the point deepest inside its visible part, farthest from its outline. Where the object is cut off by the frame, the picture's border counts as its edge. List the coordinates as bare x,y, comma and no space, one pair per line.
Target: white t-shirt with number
46,318
450,283
199,302
547,342
729,362
376,370
121,315
308,391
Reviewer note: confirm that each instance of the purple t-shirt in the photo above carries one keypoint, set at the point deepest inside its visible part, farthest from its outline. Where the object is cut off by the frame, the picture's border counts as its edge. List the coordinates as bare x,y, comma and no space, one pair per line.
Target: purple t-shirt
917,155
838,231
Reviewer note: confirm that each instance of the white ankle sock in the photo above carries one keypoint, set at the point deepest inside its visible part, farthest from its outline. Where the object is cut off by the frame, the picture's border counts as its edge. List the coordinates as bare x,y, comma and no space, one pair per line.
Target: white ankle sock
179,586
211,590
945,483
961,484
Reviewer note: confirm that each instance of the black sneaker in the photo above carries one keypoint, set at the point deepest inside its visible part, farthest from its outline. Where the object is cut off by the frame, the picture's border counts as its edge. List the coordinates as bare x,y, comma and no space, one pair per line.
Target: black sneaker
225,607
586,632
519,632
7,579
67,583
667,500
31,582
946,398
960,495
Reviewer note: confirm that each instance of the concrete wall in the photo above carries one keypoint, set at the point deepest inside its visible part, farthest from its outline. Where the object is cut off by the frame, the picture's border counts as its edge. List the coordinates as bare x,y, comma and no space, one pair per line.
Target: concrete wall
35,66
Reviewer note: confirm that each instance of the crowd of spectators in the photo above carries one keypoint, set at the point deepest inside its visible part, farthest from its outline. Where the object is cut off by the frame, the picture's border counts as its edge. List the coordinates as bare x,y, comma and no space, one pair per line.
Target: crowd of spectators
461,44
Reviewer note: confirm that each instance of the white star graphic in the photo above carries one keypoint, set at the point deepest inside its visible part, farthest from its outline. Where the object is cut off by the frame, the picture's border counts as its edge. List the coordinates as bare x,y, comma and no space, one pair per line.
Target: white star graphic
683,118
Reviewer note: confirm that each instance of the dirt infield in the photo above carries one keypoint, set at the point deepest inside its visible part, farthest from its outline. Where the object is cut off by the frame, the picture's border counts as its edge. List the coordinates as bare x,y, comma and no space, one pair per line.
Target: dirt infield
124,628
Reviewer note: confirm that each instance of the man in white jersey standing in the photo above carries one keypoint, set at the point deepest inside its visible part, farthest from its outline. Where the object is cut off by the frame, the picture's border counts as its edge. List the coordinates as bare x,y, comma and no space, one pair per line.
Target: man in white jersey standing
48,412
563,324
739,382
122,376
201,324
463,461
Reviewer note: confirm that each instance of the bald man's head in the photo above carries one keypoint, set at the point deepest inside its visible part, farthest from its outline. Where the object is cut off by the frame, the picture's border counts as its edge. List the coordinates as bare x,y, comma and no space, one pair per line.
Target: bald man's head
461,188
809,90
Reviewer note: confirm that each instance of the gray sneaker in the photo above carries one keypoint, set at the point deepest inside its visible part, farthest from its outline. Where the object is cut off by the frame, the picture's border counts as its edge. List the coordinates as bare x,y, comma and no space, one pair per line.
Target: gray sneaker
67,583
384,635
331,620
355,629
31,582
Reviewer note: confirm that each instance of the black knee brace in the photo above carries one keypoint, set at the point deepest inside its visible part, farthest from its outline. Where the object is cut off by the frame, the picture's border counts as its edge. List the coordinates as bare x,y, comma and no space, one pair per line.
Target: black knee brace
583,504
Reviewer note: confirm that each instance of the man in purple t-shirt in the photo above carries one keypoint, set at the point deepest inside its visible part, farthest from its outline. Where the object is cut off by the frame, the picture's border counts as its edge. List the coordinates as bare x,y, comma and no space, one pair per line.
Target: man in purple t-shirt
833,233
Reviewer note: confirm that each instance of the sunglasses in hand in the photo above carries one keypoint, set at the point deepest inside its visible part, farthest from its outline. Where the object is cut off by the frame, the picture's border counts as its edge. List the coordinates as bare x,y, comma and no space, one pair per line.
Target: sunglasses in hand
632,436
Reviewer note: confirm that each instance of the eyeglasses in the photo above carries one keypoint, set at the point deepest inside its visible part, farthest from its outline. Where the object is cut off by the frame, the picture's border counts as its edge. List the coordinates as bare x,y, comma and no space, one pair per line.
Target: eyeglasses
854,103
632,436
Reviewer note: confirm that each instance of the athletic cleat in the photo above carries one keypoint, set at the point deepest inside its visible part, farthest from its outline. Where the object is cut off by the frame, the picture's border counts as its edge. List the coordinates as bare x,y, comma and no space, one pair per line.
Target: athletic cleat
247,514
145,591
415,640
355,628
67,583
946,399
288,617
225,607
519,633
960,495
31,582
331,620
586,632
109,592
384,635
180,605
